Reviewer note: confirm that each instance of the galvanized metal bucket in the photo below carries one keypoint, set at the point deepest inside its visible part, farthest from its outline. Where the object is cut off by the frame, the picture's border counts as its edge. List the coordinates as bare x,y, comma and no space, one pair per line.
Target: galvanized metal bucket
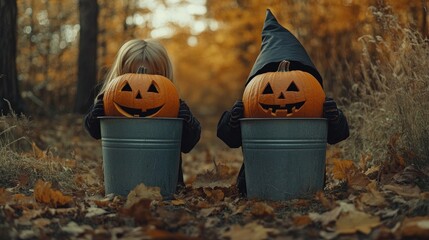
140,150
284,158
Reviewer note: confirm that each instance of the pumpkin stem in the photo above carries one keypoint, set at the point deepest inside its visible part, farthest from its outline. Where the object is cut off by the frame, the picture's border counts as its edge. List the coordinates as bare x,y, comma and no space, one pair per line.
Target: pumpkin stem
142,70
283,66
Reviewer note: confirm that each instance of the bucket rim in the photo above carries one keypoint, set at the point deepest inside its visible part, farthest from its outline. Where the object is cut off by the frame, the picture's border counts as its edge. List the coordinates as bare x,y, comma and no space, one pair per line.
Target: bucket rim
281,119
139,118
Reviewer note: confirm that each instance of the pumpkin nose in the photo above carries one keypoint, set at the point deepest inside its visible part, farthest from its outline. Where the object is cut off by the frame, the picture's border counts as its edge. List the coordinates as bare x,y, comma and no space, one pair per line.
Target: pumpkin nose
139,96
281,96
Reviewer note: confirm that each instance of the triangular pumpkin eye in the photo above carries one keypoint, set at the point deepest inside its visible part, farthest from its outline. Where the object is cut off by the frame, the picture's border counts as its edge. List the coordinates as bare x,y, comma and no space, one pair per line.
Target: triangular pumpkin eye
139,96
292,87
153,88
126,88
268,89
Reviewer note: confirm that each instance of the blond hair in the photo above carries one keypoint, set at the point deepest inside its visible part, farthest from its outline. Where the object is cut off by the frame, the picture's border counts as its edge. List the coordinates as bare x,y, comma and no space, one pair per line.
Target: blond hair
135,53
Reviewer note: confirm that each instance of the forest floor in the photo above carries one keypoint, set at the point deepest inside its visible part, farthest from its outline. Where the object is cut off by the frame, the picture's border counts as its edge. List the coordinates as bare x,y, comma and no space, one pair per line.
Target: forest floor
54,190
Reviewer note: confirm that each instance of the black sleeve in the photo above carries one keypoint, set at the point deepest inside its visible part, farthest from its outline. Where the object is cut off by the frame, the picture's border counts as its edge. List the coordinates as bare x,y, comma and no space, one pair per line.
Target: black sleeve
92,124
229,135
191,134
338,130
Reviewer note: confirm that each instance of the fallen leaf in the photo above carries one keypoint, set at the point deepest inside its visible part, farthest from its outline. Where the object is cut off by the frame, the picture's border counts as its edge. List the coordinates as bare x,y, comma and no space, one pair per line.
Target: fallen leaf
326,217
239,209
328,235
140,211
178,202
41,222
28,214
363,162
342,168
424,195
331,216
221,176
205,212
211,222
23,200
373,197
176,218
45,194
302,221
250,231
75,229
5,196
214,195
326,203
404,190
141,192
372,172
356,221
357,180
27,234
94,211
261,209
417,227
411,175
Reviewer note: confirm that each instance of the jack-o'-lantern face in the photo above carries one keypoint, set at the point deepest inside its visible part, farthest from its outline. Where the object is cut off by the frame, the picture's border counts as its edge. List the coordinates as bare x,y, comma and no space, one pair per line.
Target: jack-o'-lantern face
141,95
283,94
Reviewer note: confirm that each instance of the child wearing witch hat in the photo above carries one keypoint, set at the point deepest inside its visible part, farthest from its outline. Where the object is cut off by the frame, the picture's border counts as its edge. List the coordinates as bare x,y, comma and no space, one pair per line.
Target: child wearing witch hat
279,44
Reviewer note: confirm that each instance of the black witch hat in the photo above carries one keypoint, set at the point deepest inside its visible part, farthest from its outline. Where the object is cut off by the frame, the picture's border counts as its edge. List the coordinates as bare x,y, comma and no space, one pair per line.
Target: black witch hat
279,44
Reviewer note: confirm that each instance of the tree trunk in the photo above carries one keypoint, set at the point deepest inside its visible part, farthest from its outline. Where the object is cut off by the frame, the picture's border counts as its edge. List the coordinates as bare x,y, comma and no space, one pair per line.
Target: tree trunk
8,74
87,62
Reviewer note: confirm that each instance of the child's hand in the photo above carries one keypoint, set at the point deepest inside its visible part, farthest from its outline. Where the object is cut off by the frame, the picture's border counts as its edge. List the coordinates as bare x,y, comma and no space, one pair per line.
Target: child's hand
330,110
185,113
237,112
98,109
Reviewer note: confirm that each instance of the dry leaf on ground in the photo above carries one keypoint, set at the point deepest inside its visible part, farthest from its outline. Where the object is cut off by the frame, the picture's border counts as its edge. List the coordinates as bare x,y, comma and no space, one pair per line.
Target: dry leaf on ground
142,192
356,221
417,227
404,190
221,176
302,221
214,195
45,194
261,209
342,168
250,231
326,217
373,197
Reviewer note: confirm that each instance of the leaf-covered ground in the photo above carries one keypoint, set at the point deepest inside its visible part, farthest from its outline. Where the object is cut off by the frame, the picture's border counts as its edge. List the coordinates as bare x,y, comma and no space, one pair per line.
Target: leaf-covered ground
360,200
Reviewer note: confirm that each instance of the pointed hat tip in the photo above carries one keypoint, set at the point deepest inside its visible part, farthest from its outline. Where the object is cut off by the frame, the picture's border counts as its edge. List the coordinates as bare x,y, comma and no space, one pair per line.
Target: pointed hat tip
270,15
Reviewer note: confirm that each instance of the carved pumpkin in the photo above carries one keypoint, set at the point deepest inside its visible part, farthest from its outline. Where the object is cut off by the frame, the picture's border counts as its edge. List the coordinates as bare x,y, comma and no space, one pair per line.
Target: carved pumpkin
283,94
141,95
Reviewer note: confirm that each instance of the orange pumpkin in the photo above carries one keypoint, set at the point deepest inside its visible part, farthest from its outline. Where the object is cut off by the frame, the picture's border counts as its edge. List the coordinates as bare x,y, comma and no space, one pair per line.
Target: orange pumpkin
141,95
283,94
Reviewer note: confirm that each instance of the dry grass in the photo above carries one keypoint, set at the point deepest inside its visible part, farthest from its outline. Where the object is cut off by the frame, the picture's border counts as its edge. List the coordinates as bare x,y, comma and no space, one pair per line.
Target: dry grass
22,163
388,110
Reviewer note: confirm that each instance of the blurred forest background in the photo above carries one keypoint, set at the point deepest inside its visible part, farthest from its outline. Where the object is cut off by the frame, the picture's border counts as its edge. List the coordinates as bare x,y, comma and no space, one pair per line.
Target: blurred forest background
64,49
372,54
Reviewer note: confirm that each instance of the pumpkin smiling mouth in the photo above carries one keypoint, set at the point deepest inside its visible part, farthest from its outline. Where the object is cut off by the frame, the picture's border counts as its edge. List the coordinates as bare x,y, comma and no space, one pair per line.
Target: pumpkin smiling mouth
136,112
291,108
